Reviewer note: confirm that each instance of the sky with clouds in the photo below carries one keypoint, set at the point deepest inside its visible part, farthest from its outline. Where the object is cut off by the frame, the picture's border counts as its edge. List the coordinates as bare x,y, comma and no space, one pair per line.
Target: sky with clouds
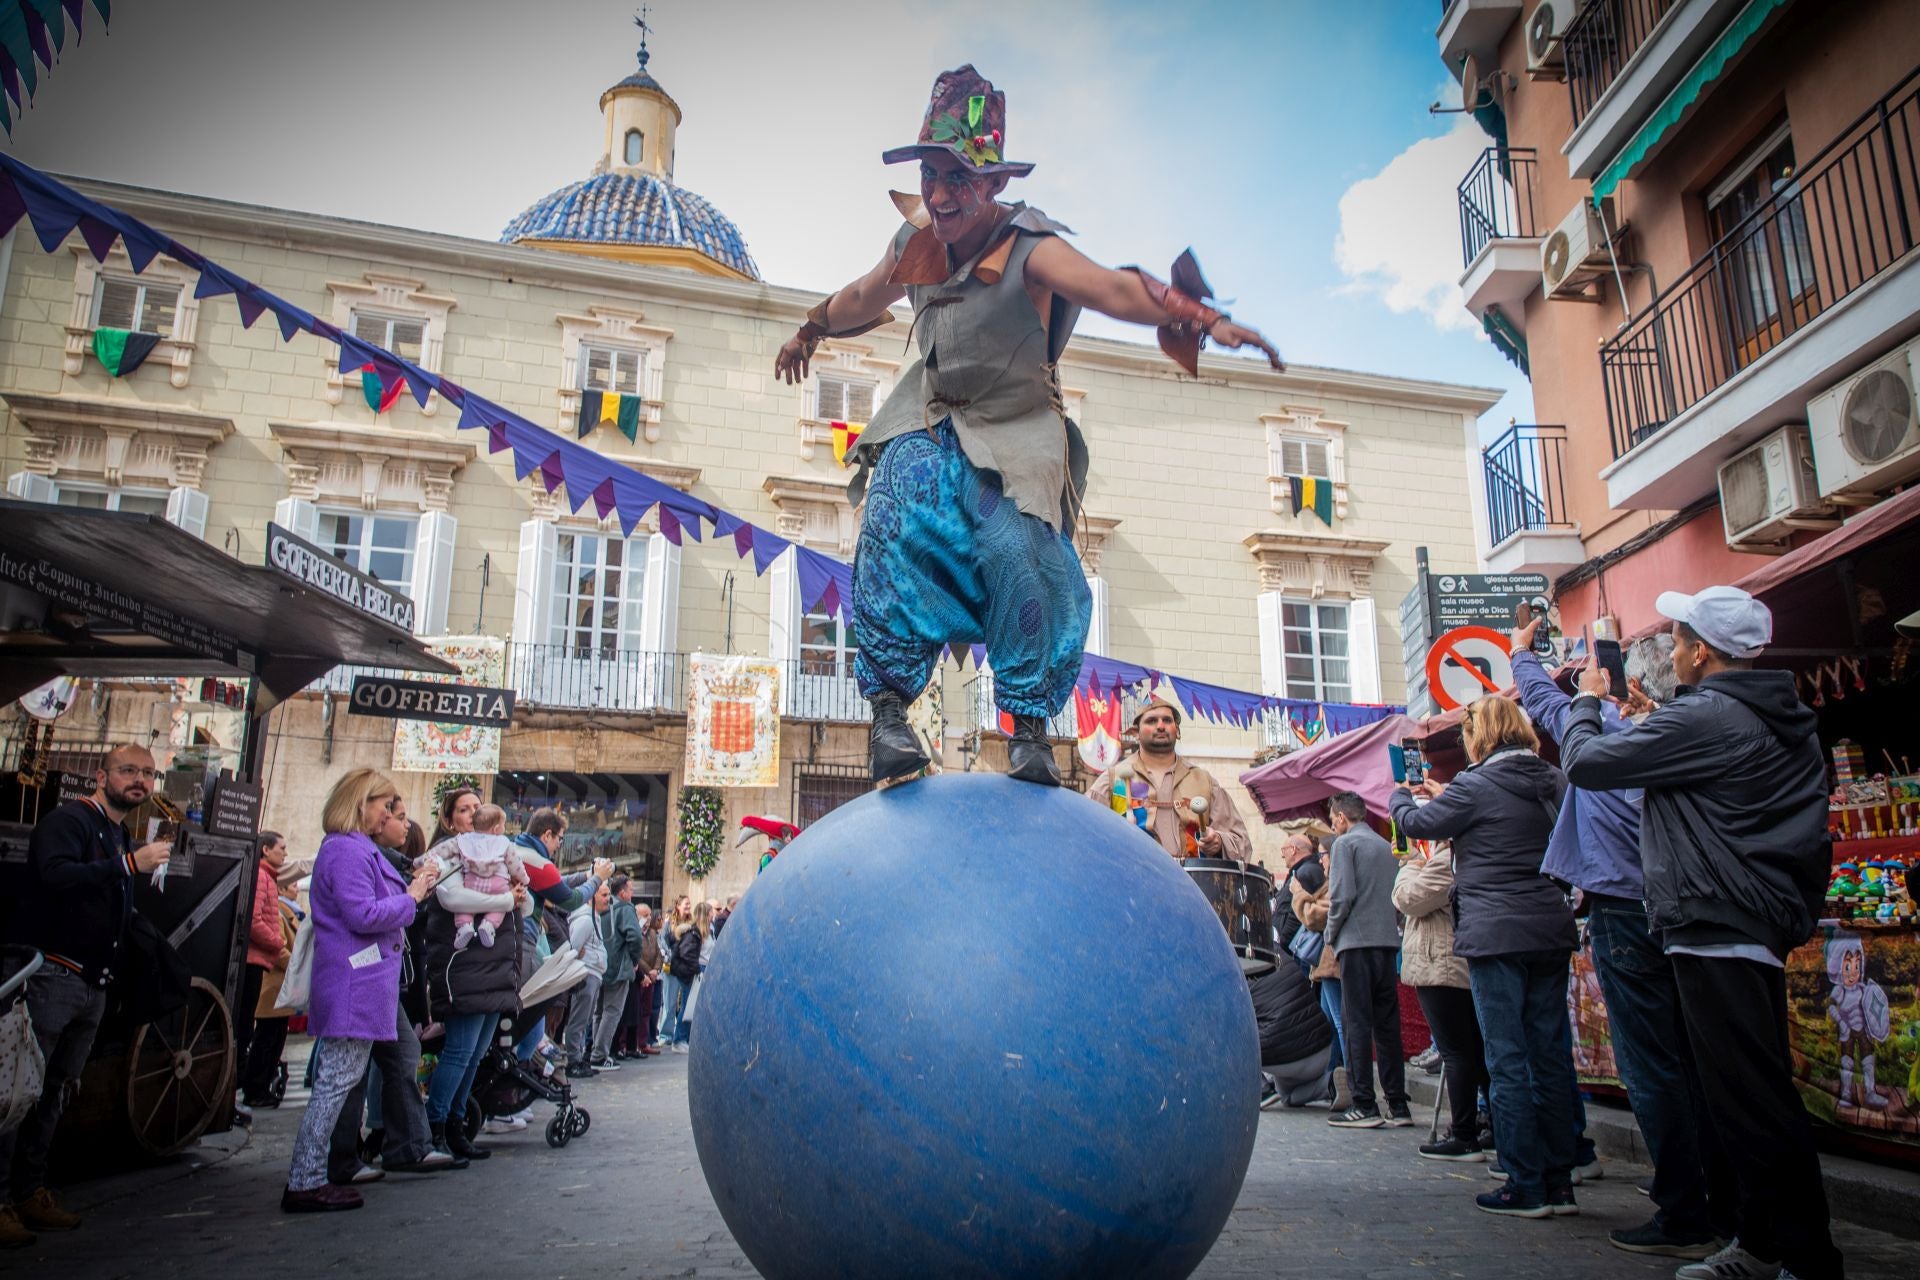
1287,141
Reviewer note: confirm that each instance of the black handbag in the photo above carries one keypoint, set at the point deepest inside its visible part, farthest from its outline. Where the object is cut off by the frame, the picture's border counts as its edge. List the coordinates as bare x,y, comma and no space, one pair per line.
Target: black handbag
152,980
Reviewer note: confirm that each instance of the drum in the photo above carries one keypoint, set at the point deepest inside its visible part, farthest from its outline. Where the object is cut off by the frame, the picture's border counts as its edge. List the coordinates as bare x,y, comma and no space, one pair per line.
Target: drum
1242,896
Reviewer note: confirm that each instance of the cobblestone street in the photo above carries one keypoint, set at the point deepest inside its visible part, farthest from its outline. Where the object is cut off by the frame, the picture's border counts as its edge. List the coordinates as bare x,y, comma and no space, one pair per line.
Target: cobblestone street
629,1200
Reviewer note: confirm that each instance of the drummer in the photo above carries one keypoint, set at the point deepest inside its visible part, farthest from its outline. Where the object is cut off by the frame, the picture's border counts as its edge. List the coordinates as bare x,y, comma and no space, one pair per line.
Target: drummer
1174,783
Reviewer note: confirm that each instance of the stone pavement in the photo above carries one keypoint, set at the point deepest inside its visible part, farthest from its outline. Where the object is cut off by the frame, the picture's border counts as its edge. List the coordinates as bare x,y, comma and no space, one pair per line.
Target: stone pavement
629,1200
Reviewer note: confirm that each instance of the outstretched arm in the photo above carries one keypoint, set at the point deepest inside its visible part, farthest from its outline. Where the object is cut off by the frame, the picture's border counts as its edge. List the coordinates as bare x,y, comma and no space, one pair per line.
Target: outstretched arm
854,309
1127,295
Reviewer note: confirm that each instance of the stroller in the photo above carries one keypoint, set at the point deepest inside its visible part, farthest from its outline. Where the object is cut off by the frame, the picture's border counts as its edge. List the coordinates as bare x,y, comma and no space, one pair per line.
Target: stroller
502,1084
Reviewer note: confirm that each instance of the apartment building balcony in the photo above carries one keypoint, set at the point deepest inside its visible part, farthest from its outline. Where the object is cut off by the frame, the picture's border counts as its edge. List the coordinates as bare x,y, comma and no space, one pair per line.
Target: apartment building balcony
1473,27
1527,519
1624,58
1500,235
556,677
1816,281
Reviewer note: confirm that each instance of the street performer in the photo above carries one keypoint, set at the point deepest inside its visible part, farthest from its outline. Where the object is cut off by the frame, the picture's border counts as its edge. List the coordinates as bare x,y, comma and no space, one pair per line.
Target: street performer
976,474
1172,785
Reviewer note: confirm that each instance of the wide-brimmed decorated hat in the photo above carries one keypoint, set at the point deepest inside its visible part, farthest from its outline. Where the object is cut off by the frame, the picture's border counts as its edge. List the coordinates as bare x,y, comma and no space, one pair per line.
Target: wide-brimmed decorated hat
967,119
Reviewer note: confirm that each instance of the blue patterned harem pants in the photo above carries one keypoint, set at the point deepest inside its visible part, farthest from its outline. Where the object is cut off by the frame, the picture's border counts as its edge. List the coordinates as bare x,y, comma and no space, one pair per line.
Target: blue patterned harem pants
945,557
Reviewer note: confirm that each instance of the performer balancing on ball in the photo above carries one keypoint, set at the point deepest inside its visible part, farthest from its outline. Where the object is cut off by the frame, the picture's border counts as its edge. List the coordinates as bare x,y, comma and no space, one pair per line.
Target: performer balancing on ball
976,474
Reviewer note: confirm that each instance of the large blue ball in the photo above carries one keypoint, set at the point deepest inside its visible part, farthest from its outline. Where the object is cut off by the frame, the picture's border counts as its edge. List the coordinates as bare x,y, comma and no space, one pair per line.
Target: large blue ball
974,1027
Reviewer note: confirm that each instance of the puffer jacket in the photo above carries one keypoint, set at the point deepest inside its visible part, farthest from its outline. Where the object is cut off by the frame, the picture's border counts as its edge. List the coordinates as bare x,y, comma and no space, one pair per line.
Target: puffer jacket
1499,814
1423,893
263,929
1311,906
1733,837
1292,1024
478,979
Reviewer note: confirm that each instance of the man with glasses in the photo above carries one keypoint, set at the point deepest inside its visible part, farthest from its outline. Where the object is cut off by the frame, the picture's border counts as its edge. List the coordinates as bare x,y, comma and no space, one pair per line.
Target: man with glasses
976,472
75,908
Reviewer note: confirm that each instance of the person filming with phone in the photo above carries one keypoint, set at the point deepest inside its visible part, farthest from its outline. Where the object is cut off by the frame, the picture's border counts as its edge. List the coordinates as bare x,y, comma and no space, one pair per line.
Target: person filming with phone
1595,847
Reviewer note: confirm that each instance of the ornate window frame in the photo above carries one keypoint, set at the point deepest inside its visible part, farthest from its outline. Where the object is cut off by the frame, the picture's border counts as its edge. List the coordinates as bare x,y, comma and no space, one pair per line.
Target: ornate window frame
814,513
627,330
116,443
1303,421
176,348
854,360
393,295
337,464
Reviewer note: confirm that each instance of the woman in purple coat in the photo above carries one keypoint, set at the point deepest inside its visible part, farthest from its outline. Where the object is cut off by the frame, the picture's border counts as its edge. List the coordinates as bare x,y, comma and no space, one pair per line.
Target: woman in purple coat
360,908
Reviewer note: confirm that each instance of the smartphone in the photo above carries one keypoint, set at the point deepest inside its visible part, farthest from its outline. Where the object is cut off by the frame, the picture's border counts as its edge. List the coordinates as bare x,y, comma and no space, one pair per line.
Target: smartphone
1397,757
1606,653
1416,761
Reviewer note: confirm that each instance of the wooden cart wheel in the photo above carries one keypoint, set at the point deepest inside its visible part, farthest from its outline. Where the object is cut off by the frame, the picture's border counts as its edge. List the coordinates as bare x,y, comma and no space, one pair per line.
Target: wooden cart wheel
180,1072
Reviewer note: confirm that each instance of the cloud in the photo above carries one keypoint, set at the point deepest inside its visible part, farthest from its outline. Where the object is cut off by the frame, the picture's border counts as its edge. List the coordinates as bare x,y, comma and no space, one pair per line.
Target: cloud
1399,236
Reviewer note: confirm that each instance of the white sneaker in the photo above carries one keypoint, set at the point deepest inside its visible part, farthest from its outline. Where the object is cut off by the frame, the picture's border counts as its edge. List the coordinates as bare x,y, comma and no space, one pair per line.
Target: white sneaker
502,1124
681,1046
524,1115
1731,1263
367,1173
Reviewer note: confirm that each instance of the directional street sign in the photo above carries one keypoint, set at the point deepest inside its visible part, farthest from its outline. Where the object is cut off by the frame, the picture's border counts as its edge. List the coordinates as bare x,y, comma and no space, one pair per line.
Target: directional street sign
1466,664
1481,599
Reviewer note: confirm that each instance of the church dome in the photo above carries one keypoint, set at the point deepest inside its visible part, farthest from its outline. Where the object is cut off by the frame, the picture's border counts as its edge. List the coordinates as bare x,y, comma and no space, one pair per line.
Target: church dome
639,210
630,210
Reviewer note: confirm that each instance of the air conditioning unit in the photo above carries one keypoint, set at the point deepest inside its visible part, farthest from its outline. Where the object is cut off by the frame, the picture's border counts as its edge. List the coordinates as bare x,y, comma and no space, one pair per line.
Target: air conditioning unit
1545,26
1865,435
1765,489
1576,251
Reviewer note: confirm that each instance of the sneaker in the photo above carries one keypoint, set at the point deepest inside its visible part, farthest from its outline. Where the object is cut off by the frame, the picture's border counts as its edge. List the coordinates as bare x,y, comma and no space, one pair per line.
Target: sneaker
1269,1092
13,1232
681,1046
1561,1204
1427,1060
581,1072
1731,1263
1653,1238
40,1213
606,1064
1508,1202
1644,1187
502,1124
1495,1169
1399,1118
1591,1171
1355,1118
1452,1148
366,1173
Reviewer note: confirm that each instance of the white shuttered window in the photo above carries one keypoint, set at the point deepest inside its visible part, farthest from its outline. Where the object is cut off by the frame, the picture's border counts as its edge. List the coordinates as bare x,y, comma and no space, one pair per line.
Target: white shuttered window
125,302
403,335
839,399
610,369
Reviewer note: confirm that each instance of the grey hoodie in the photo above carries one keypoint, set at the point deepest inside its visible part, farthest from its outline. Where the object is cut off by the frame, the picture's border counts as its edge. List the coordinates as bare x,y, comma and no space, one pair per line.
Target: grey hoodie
1734,835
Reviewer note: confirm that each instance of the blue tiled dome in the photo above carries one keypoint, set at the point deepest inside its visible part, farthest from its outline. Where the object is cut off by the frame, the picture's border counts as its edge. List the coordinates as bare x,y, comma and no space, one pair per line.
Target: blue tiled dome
634,209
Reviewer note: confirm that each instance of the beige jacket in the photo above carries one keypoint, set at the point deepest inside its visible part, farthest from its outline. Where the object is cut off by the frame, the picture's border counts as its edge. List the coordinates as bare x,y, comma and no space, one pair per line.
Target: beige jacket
1178,783
1311,910
1423,893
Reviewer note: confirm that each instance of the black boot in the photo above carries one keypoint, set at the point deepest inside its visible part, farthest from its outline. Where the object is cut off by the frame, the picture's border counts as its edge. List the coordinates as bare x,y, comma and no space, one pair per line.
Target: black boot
1030,752
452,1136
895,747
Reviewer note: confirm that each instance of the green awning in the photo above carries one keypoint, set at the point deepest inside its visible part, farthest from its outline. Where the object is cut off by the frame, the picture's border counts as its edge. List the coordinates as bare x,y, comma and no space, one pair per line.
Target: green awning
1745,25
1506,339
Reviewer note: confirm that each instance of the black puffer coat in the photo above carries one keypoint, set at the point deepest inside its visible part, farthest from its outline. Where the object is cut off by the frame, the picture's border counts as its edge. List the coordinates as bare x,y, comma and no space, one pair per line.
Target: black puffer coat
478,979
1499,814
1292,1025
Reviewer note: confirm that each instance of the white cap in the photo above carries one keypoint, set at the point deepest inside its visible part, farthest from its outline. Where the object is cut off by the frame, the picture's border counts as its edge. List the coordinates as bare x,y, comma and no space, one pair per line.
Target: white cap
1727,618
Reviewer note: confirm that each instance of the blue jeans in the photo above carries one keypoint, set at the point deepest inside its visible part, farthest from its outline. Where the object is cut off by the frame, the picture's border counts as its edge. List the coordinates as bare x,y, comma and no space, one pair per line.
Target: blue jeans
1650,1049
671,997
1521,1001
467,1038
683,1025
1330,1005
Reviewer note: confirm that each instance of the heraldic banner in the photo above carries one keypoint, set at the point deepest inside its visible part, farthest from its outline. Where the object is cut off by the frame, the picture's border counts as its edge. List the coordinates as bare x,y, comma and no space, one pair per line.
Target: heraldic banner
421,746
733,721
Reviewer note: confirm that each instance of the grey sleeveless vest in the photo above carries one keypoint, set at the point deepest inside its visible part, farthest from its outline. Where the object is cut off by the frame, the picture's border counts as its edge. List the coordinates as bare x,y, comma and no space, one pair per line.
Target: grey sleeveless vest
987,362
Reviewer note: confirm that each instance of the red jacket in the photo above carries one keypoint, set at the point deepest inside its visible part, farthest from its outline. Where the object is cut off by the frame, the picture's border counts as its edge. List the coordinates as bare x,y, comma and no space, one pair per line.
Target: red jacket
263,932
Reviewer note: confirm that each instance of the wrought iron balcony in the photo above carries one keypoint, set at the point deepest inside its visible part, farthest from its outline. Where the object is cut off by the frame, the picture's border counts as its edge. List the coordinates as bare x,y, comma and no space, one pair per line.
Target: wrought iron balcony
1524,485
1496,200
1600,41
1836,223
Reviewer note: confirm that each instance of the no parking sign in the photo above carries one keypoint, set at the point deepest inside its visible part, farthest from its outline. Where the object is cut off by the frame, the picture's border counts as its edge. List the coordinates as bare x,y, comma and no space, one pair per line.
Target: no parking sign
1466,664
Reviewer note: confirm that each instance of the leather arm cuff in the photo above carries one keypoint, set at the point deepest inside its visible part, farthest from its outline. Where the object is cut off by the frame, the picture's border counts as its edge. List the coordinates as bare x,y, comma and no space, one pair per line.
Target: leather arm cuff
1186,332
817,327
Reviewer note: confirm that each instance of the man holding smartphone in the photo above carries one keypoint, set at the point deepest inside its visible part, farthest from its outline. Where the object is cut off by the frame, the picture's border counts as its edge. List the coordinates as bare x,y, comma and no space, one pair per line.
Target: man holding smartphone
1595,847
75,909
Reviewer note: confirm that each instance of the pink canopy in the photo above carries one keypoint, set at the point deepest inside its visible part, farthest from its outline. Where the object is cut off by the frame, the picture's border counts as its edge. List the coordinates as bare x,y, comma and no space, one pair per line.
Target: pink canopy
1298,784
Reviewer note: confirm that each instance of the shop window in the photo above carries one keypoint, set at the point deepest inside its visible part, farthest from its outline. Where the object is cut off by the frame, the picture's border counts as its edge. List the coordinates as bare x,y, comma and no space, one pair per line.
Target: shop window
379,545
405,336
128,302
612,369
599,592
620,816
1314,635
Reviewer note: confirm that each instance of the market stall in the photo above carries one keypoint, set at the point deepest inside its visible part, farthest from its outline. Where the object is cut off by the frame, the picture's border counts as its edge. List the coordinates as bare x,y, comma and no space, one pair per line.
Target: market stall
105,594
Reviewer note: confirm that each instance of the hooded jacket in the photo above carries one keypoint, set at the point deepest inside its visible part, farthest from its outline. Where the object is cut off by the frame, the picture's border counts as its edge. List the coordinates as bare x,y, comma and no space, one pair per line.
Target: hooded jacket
1733,839
1499,814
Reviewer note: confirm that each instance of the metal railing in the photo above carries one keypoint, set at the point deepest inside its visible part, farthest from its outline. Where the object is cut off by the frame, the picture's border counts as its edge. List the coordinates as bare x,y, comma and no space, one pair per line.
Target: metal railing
1600,41
1496,200
1523,476
1843,218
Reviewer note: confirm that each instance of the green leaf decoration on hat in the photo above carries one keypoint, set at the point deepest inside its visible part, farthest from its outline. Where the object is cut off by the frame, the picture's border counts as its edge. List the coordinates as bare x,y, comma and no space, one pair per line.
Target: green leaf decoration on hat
979,149
976,108
947,128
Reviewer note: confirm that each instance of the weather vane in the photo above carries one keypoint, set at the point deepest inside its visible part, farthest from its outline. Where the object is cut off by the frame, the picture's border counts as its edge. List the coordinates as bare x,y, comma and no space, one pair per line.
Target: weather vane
640,21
